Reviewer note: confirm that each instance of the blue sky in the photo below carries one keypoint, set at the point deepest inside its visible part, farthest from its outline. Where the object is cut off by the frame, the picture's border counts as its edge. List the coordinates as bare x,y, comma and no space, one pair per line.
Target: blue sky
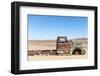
41,27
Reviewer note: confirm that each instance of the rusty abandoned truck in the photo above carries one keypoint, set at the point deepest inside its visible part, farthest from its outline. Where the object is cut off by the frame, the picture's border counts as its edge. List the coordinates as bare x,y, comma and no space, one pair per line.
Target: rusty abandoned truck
63,47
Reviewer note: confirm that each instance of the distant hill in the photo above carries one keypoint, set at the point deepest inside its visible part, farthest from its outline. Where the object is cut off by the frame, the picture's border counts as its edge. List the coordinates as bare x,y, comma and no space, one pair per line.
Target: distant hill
80,39
77,39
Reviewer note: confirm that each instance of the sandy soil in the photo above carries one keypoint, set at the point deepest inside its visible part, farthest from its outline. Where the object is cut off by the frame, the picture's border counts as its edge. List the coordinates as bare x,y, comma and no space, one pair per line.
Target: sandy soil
42,45
38,58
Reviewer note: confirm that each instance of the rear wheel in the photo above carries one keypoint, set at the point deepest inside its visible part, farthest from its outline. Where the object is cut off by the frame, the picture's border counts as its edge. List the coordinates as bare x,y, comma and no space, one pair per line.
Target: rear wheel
77,51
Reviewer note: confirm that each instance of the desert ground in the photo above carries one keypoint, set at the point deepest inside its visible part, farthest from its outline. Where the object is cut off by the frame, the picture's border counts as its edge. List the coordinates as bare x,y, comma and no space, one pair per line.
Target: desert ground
51,45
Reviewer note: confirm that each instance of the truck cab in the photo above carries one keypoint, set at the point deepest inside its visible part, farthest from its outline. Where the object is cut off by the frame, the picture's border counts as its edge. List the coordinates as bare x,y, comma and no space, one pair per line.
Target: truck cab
62,45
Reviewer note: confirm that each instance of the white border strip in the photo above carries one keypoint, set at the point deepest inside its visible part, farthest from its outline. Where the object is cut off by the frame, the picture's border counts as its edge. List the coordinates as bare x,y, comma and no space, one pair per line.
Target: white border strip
24,64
